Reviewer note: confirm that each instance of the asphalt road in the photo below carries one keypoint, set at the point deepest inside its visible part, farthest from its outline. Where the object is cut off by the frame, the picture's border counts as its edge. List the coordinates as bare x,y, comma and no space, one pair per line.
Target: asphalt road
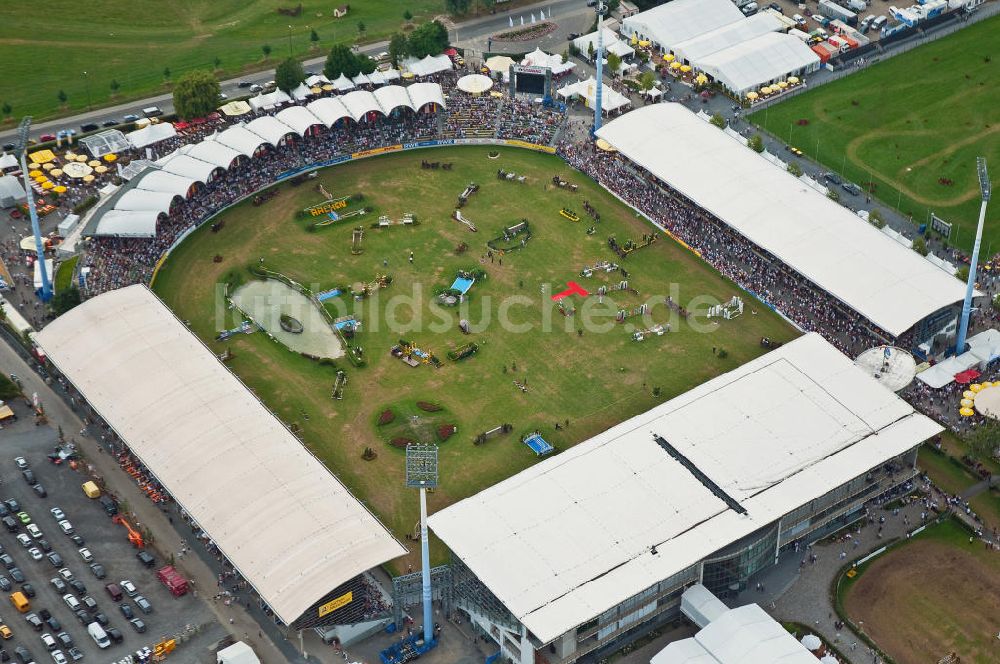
476,28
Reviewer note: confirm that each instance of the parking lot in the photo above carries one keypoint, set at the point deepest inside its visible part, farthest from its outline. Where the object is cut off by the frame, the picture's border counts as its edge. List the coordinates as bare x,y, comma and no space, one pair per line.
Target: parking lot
106,541
807,9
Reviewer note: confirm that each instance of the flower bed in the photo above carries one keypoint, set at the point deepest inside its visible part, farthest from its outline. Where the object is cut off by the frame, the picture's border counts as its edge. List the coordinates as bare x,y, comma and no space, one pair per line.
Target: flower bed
446,431
386,416
401,442
526,32
428,407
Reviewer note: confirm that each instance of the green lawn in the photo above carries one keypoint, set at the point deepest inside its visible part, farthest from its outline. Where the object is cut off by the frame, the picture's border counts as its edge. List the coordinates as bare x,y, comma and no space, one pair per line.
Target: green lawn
64,274
48,48
908,122
592,381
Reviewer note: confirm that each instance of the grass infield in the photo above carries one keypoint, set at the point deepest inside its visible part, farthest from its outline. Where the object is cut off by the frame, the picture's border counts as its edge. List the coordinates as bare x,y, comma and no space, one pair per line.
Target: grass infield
591,381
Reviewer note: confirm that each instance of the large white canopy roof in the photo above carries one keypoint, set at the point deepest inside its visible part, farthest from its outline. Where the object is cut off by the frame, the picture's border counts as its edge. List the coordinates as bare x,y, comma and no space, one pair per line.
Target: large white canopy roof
186,166
422,94
360,103
171,183
299,118
750,64
889,285
271,129
678,21
153,133
329,110
571,537
611,99
288,525
138,200
431,64
213,152
124,223
391,97
240,139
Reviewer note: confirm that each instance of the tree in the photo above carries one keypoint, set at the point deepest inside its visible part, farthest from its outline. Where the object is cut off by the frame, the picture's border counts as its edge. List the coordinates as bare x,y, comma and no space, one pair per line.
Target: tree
614,62
115,85
647,80
166,73
795,169
488,5
196,94
397,48
996,302
590,51
61,96
289,74
756,143
962,274
341,61
366,64
361,28
457,6
266,50
431,38
407,15
64,300
920,245
833,195
314,37
718,121
876,219
7,110
982,441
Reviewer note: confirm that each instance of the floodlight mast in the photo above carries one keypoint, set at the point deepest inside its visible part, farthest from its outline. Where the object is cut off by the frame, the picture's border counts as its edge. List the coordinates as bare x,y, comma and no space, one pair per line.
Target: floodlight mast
422,474
600,9
22,144
970,287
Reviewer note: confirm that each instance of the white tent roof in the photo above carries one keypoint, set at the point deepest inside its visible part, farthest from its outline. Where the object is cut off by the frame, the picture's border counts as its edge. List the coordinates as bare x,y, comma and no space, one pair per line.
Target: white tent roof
611,99
329,110
360,102
151,134
678,21
758,61
390,74
376,78
343,83
539,58
143,200
316,79
270,100
429,65
822,240
239,139
105,142
391,97
621,49
726,36
186,166
302,92
213,152
299,118
271,129
583,42
238,653
744,635
571,536
11,191
173,402
8,161
361,79
157,180
126,223
422,94
700,605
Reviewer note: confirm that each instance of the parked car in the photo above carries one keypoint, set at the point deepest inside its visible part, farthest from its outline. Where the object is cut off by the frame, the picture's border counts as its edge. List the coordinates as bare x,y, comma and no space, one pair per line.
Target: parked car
57,514
86,555
29,476
832,178
48,641
89,602
35,622
5,632
58,657
66,527
138,625
16,575
98,570
44,545
78,587
131,117
101,619
256,88
851,188
110,122
77,540
10,523
243,84
146,558
28,590
6,560
21,462
72,602
65,639
143,604
45,138
129,588
75,654
5,584
58,584
114,591
24,517
89,126
55,559
23,540
66,574
53,623
114,634
126,610
34,530
40,491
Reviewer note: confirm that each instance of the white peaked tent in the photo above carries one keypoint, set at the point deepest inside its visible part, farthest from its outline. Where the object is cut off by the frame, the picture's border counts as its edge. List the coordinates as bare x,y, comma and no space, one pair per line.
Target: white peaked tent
302,92
539,58
343,84
611,99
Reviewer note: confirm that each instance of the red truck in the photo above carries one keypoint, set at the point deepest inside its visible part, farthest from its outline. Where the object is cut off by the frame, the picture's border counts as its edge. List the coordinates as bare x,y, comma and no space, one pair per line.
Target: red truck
172,579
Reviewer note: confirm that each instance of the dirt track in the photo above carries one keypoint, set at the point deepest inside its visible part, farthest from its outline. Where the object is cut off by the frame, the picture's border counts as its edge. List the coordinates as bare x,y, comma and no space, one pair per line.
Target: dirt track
929,598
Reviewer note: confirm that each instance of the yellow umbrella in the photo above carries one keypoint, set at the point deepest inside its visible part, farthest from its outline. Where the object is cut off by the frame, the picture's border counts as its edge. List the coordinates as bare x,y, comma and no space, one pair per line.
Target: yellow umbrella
94,163
110,157
675,65
59,189
669,57
32,166
701,79
316,90
49,166
793,79
327,88
966,412
47,185
35,173
969,394
82,158
70,156
752,95
966,403
782,84
685,68
100,169
55,172
88,178
643,43
40,179
407,74
634,41
976,387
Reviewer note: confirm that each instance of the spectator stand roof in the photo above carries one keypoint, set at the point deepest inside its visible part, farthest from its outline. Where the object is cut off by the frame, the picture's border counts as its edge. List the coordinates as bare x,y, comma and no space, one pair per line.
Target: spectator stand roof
153,133
212,152
574,535
748,65
360,103
298,118
172,401
123,223
422,94
391,97
187,167
329,110
106,142
892,287
270,128
240,139
674,22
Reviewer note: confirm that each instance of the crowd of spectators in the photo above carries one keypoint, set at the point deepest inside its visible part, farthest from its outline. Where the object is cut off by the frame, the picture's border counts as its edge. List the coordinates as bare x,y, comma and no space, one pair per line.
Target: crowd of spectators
471,117
529,121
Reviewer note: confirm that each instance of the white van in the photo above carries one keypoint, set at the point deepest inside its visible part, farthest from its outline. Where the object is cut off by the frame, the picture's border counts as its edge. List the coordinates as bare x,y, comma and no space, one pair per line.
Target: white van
879,22
99,635
152,111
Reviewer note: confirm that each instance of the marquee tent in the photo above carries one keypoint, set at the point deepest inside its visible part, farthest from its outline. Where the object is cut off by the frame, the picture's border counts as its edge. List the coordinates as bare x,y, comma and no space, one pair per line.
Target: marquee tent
11,191
676,22
214,152
298,118
302,92
539,58
268,101
391,97
343,84
122,223
105,142
235,108
611,99
329,110
8,161
748,65
151,134
144,200
721,38
429,65
240,139
271,129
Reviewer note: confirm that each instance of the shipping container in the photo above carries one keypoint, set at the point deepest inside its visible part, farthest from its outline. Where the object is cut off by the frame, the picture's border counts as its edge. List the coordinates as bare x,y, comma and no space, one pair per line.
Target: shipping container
833,10
823,53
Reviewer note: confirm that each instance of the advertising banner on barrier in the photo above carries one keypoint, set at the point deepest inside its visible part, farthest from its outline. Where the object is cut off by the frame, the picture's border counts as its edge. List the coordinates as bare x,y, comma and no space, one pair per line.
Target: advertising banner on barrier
376,151
531,146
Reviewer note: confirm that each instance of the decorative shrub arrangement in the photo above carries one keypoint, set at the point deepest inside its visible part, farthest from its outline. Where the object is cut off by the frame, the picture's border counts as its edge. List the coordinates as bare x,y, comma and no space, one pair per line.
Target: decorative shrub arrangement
428,407
446,431
386,417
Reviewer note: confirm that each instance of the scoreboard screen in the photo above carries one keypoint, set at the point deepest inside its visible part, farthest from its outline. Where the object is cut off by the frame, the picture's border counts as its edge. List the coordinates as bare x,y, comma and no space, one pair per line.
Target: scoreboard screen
530,83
